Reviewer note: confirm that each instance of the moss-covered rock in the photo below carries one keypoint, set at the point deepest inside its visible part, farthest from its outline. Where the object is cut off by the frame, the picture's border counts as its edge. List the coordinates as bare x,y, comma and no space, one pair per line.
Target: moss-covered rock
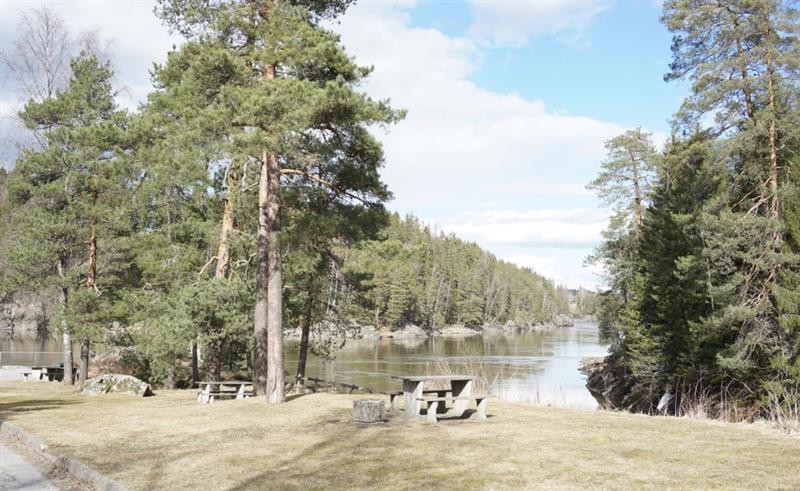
115,383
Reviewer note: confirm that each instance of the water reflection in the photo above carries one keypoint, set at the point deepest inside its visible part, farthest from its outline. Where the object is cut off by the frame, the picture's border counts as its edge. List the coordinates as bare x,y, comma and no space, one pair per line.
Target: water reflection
535,367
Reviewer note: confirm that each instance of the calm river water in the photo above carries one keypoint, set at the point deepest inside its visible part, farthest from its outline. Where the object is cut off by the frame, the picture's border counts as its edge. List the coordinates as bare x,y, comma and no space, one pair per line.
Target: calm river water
534,367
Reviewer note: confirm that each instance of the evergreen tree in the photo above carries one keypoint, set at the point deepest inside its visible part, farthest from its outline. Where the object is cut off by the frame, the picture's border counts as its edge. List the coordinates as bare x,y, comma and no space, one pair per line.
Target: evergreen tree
713,268
624,184
70,196
284,89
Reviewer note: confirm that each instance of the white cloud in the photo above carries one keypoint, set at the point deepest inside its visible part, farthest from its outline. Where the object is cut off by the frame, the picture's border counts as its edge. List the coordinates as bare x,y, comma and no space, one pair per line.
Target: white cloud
137,37
514,22
541,264
462,145
579,228
468,159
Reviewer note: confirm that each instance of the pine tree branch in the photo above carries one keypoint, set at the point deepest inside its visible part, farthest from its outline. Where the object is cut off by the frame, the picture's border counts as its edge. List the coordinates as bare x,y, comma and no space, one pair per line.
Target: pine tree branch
327,184
202,270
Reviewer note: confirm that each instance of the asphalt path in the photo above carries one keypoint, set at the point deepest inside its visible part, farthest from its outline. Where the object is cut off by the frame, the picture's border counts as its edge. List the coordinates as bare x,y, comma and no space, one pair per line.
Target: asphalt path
18,475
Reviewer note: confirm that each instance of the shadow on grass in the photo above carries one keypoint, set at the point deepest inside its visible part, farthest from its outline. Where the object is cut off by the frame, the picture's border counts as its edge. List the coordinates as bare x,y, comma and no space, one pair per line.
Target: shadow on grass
7,408
294,397
351,455
327,464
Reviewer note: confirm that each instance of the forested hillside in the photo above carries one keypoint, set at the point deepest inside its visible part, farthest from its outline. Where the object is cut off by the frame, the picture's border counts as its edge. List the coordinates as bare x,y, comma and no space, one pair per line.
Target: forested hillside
703,249
412,275
242,198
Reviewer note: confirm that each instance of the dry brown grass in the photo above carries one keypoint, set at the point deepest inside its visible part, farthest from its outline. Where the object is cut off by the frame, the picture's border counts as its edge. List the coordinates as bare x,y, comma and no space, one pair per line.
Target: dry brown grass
172,442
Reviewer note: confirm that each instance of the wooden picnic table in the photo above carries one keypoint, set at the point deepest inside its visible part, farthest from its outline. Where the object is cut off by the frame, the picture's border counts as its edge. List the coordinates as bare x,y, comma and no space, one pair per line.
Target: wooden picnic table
460,390
52,372
215,389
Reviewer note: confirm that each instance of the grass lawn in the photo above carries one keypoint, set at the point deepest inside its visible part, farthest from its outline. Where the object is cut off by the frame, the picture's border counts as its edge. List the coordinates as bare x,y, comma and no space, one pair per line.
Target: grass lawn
171,442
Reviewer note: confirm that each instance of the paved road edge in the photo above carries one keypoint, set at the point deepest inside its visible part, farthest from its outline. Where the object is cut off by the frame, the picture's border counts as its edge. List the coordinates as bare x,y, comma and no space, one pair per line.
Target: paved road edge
73,467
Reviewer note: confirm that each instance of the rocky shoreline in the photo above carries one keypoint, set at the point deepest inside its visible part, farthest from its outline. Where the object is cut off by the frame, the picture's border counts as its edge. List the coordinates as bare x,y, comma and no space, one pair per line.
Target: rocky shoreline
354,330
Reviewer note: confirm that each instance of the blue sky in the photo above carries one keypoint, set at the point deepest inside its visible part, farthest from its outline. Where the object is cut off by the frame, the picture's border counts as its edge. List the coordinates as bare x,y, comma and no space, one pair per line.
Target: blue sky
509,103
613,71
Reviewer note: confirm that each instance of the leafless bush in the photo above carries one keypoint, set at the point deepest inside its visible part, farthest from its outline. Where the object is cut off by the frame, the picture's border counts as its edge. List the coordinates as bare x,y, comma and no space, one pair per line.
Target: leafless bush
784,410
699,401
484,382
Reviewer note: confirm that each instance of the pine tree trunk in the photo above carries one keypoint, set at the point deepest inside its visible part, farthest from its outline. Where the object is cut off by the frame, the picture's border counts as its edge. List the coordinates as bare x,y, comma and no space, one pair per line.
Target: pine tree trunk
214,347
637,193
774,205
91,284
195,368
774,208
69,376
746,91
83,370
303,354
228,224
275,380
260,316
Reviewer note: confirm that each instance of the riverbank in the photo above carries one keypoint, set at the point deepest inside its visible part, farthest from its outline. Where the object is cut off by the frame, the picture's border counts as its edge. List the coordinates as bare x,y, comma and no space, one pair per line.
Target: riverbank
353,330
171,442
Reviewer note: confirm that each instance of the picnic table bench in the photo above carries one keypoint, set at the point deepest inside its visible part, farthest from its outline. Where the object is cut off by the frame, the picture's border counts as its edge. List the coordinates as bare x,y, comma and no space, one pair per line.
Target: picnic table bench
460,395
224,389
52,372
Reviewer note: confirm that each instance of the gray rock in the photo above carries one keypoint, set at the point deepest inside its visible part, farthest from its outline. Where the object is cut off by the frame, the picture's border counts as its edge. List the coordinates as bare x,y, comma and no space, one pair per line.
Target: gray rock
410,331
115,383
370,332
561,320
368,411
26,316
457,332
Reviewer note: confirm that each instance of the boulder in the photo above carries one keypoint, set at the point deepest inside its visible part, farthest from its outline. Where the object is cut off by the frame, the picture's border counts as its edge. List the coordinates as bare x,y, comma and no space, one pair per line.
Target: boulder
561,320
368,411
457,332
117,384
410,331
370,332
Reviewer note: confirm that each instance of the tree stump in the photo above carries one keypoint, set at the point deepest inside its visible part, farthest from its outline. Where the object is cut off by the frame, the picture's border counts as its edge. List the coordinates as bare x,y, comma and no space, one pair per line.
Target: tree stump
368,411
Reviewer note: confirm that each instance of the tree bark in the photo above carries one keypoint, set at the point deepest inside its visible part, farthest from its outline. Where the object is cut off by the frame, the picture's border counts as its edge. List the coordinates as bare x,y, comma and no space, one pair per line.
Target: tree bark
262,276
69,376
195,369
746,91
637,192
303,354
214,346
91,284
268,317
83,370
773,153
228,223
775,204
275,380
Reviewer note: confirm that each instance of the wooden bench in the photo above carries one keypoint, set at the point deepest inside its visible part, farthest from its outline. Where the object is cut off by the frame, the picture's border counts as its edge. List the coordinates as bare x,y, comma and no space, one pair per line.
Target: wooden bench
395,395
433,405
26,375
52,372
227,394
